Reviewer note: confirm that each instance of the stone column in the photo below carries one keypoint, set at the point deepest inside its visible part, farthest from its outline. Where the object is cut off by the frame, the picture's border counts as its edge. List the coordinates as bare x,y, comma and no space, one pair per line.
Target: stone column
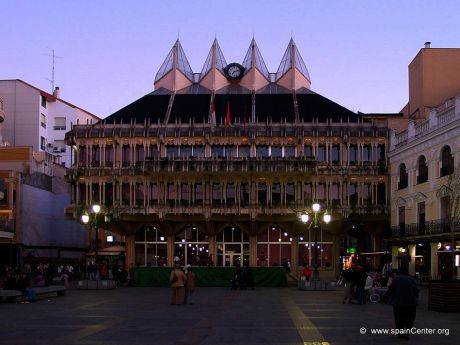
295,254
434,260
212,247
170,250
130,251
412,259
394,257
253,250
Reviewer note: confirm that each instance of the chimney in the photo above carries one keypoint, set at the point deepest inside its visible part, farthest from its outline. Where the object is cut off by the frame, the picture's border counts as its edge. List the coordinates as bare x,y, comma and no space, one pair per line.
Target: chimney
427,44
57,92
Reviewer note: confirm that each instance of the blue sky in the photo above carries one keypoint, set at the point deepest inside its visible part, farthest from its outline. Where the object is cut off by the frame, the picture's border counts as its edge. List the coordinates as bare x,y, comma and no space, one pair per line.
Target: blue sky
357,52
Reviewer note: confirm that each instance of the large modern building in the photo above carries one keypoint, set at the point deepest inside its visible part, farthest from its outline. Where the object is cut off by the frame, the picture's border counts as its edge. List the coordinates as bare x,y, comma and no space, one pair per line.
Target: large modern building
217,166
39,119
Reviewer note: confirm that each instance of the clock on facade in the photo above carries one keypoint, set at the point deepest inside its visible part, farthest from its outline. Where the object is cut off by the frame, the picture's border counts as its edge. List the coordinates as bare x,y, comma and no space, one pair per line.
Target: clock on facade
234,71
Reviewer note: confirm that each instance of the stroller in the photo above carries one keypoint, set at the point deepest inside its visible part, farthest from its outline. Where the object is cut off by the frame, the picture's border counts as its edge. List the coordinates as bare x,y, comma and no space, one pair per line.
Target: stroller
374,290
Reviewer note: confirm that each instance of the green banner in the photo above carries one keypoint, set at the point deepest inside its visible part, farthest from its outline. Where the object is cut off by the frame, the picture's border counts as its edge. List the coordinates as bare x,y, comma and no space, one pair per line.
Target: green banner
210,276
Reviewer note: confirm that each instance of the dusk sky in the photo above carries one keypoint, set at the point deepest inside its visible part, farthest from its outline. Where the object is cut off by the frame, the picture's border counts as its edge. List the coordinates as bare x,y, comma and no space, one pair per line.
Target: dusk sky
357,52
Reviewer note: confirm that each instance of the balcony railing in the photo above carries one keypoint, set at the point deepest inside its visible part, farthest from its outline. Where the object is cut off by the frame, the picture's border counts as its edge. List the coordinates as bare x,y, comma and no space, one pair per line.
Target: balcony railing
433,227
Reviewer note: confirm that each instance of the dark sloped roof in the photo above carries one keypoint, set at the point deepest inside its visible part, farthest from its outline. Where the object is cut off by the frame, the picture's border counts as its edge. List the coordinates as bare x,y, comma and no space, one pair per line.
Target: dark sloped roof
312,105
271,103
151,106
275,107
186,107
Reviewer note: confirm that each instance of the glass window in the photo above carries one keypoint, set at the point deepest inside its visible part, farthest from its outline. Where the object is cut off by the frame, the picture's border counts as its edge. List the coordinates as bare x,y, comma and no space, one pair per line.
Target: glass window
154,193
216,193
262,151
232,247
150,247
307,151
353,154
59,124
185,194
244,194
139,193
217,151
447,161
403,177
230,151
321,191
191,247
244,151
334,194
290,194
198,151
125,191
276,151
171,193
43,143
367,193
172,151
353,194
321,153
307,193
262,194
335,154
125,154
289,151
367,157
381,193
273,247
199,194
422,170
276,194
43,101
230,194
108,155
139,153
185,151
108,197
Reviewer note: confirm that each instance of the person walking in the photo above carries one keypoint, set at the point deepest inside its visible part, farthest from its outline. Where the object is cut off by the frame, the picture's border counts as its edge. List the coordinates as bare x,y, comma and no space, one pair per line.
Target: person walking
360,281
177,279
191,283
348,277
403,294
306,272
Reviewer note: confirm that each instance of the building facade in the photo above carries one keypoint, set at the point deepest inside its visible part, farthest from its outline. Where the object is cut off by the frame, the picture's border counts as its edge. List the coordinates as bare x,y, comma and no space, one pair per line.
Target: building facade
39,119
216,167
422,159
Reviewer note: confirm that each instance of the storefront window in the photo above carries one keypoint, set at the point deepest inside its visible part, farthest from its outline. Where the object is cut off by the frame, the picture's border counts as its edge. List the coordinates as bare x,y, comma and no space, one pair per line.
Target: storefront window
150,247
191,247
273,247
232,247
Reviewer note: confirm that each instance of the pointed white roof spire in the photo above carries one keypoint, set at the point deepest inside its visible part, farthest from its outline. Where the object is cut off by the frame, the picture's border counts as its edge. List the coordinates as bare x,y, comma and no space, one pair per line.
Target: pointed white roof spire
215,59
212,75
293,67
176,61
254,59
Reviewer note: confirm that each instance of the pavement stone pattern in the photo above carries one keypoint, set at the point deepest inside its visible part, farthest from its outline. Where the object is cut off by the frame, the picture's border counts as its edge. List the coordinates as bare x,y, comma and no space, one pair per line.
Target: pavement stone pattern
219,316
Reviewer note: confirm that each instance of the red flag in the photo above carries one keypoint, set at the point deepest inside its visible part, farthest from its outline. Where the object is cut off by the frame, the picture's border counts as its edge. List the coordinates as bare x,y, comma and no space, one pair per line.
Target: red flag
213,112
244,115
227,117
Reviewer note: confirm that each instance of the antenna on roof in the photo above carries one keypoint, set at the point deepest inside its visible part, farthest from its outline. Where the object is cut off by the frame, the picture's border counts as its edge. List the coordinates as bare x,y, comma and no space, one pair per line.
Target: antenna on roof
54,57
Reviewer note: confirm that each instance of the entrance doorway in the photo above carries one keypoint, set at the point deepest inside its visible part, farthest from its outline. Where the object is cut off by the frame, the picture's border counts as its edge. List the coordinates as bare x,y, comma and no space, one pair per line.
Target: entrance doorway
232,248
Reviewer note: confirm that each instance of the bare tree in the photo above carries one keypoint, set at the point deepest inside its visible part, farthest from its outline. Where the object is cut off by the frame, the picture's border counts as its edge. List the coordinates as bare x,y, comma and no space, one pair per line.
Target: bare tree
452,191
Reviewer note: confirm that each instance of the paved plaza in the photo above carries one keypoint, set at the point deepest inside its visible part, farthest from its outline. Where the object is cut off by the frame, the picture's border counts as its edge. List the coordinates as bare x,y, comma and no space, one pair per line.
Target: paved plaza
218,316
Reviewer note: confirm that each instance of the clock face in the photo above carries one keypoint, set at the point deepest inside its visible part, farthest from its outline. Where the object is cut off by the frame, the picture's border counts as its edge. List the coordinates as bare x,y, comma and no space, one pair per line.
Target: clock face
234,71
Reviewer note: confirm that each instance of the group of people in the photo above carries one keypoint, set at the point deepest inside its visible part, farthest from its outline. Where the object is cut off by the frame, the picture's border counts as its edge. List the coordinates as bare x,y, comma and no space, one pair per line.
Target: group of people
243,279
183,284
12,278
402,294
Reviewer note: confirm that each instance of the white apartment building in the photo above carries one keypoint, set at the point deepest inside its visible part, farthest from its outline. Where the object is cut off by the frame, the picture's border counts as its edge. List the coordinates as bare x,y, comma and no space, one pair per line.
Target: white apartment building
39,119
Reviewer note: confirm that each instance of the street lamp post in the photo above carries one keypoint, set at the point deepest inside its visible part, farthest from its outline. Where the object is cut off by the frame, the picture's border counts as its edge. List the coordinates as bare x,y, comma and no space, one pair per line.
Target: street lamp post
95,209
316,225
